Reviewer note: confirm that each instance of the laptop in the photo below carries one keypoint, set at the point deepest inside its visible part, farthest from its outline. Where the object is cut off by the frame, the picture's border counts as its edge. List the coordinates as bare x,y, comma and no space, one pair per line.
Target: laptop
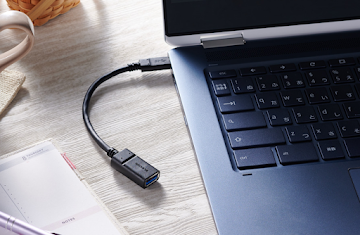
270,92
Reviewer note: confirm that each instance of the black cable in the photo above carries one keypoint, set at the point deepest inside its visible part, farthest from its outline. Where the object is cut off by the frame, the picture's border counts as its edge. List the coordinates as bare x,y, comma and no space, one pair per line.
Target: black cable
89,93
125,161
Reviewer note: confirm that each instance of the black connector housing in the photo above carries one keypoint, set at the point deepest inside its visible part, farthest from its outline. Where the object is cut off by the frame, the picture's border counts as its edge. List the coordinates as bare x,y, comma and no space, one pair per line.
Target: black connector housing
135,168
153,64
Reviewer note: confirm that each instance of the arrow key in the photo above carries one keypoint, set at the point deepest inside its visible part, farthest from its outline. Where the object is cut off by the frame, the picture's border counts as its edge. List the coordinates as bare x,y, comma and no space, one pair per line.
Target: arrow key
252,71
282,68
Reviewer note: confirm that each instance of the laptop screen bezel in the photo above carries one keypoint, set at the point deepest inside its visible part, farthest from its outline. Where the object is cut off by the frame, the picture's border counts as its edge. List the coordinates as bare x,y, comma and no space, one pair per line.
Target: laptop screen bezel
263,33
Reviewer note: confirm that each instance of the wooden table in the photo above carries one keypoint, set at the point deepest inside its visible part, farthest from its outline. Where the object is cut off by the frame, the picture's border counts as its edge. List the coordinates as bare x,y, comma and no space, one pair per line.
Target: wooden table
139,111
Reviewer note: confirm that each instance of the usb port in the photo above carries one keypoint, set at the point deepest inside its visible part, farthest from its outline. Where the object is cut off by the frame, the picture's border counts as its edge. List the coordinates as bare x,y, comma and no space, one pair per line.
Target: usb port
152,179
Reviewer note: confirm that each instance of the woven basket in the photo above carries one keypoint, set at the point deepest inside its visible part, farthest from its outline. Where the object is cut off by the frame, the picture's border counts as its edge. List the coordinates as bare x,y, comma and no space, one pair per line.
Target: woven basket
41,11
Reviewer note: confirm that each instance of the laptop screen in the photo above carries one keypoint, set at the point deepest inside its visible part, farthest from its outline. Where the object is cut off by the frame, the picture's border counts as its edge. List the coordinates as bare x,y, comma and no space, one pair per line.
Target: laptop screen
186,17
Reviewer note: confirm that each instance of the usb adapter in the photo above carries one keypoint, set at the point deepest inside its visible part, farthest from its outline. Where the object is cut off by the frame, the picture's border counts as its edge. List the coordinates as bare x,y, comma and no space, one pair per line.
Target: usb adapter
125,161
135,168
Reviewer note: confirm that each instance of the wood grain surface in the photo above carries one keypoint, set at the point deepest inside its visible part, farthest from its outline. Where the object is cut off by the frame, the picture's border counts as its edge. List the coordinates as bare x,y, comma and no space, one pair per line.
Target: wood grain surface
139,111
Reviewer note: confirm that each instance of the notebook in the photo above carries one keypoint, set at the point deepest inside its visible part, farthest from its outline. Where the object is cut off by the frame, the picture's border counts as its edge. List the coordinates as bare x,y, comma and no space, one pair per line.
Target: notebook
41,187
270,92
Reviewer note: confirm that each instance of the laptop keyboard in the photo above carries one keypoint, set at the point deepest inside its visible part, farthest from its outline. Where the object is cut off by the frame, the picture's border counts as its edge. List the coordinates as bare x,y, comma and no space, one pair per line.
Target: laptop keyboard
291,113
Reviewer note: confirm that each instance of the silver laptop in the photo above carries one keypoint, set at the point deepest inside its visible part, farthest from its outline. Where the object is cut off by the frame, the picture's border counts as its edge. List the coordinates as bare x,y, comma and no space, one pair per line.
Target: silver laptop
271,96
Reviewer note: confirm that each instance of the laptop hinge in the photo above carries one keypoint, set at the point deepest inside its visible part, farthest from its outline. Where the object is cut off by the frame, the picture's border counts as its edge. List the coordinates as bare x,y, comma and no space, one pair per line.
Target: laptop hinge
222,41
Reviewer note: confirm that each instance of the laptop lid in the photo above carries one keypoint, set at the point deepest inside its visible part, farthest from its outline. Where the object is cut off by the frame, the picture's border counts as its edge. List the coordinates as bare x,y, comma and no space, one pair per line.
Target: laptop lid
191,22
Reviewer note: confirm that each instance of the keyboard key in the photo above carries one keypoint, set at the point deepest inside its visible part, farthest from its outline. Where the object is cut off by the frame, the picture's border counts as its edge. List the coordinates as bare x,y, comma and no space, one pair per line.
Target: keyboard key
317,78
349,128
279,117
282,68
357,71
342,62
241,121
221,87
352,109
298,133
323,131
342,75
296,153
254,158
242,85
330,112
330,149
292,80
357,86
353,147
304,114
292,98
252,71
312,65
342,93
237,103
267,100
222,74
317,95
268,83
255,138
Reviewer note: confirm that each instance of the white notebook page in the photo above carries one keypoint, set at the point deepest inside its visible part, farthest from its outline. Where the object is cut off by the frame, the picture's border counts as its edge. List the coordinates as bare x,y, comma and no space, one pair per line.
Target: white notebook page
38,186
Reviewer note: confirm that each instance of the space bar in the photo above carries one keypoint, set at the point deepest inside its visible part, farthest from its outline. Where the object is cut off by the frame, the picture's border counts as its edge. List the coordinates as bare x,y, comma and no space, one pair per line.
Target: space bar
255,138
